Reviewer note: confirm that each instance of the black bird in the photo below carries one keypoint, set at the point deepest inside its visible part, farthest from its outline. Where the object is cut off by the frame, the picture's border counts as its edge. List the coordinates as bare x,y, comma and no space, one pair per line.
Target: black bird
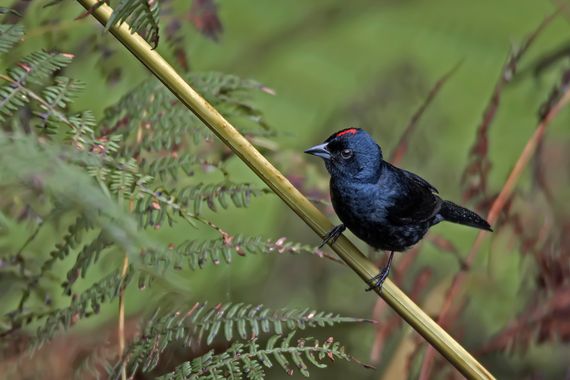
387,207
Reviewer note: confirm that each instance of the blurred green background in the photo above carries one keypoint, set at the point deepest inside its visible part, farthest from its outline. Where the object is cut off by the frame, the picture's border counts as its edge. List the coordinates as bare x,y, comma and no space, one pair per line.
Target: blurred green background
368,64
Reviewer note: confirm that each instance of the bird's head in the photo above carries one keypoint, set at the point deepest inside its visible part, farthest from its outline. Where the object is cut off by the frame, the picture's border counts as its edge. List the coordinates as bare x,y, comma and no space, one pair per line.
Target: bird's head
350,153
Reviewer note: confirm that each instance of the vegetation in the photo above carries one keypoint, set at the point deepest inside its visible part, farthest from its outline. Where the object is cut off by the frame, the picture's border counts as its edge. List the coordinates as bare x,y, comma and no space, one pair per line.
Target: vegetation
113,193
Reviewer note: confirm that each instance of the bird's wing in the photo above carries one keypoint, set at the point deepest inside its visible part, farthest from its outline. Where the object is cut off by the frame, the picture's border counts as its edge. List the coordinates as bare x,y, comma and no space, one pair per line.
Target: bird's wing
420,181
415,201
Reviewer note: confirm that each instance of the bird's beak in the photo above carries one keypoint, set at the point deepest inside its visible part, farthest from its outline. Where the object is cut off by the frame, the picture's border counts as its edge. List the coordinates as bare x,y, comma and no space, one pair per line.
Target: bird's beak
319,151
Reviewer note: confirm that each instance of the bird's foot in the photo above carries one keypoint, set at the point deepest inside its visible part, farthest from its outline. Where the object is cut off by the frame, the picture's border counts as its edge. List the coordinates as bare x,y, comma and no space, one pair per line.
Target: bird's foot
332,235
377,281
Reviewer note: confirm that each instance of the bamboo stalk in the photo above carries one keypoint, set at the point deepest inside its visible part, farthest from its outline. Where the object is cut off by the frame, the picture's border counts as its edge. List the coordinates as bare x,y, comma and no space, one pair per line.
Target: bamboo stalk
405,307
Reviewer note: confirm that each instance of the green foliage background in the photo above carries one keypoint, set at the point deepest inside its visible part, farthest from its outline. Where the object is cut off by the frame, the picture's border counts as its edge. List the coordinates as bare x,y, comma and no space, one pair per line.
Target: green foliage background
335,64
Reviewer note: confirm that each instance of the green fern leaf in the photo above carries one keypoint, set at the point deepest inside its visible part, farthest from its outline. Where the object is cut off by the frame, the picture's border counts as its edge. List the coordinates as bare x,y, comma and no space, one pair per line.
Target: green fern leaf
252,321
57,97
218,195
88,255
9,36
161,122
154,207
250,358
70,240
142,16
82,137
39,66
231,94
196,254
207,323
169,166
75,233
35,68
83,306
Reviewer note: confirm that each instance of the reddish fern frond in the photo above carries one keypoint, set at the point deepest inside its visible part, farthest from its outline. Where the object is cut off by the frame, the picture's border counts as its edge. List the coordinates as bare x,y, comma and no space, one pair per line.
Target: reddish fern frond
539,323
474,177
204,16
496,209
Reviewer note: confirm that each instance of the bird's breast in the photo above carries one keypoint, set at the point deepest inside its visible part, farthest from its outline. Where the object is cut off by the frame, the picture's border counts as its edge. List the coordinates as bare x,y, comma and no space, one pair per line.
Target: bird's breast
358,203
365,208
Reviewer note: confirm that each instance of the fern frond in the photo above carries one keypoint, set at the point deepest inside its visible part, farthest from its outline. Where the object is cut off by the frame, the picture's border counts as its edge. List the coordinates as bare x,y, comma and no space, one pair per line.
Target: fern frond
162,122
64,181
123,178
231,94
83,306
142,15
154,113
251,321
173,129
58,96
199,253
201,321
35,68
71,240
82,136
9,36
249,359
88,255
119,176
39,66
11,99
169,166
220,86
216,195
152,208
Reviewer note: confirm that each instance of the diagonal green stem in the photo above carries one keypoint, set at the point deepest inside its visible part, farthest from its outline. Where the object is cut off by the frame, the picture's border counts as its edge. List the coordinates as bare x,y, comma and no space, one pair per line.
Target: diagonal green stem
366,269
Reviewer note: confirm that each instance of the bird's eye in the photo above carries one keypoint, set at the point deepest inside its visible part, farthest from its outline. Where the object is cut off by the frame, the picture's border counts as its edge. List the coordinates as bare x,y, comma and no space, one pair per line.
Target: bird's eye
346,154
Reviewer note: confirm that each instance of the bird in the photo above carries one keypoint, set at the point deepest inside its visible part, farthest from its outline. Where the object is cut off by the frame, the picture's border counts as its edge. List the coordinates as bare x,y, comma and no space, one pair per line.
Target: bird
389,208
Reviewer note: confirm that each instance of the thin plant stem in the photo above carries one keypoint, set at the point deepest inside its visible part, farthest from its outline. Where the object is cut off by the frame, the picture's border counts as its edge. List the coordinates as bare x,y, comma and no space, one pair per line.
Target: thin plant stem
402,146
121,325
315,219
124,269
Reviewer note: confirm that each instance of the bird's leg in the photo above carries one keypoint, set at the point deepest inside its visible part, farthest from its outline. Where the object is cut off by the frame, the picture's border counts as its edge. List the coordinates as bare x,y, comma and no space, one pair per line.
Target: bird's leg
377,281
332,235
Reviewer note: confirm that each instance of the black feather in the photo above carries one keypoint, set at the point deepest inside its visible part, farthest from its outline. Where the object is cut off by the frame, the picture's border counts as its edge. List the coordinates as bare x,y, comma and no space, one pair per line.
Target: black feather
457,214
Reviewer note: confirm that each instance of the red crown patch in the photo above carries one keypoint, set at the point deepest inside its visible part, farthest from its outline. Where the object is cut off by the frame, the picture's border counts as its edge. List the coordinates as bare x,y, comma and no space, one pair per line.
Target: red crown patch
351,131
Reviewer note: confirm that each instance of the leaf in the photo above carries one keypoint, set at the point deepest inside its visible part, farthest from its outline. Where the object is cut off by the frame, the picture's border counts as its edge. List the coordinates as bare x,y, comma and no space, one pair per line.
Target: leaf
57,97
86,304
9,36
142,16
251,358
201,321
196,254
35,68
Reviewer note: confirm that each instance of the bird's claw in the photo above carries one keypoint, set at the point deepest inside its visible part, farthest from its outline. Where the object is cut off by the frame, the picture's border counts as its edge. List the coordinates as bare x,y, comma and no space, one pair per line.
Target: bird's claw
332,235
377,281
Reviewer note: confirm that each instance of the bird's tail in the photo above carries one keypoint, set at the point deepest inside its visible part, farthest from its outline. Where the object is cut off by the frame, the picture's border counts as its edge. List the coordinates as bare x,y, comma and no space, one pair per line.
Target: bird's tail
457,214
